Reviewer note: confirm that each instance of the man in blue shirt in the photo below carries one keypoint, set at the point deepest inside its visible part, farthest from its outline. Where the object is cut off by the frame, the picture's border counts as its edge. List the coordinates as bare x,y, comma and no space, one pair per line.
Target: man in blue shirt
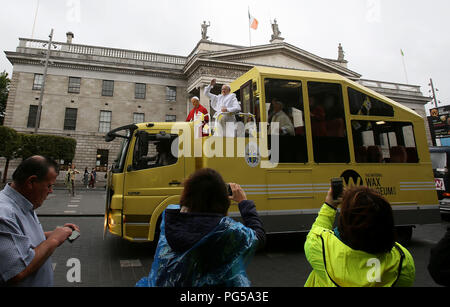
25,249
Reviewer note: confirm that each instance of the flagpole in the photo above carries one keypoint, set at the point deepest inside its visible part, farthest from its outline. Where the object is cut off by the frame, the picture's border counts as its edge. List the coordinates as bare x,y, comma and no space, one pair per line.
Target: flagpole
35,17
249,29
404,66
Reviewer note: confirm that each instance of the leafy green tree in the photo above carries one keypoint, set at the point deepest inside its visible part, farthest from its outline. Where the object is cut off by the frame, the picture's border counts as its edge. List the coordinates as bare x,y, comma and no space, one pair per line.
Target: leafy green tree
11,143
51,146
4,91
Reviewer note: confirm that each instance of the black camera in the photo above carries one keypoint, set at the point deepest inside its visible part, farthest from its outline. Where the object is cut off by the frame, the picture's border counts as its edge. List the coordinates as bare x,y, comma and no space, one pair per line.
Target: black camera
230,192
337,187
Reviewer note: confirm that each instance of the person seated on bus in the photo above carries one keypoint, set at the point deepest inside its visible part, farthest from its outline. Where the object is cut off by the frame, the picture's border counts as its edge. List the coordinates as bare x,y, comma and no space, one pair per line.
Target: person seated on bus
318,118
398,154
361,251
374,154
286,127
198,244
224,103
163,157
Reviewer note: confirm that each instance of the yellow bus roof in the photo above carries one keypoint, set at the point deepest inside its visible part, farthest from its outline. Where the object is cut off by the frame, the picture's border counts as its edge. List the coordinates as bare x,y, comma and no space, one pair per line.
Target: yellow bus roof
262,70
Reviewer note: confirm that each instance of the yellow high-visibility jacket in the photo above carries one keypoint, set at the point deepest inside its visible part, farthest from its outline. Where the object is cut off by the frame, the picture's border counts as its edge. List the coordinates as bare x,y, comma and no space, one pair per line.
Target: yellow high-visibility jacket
335,264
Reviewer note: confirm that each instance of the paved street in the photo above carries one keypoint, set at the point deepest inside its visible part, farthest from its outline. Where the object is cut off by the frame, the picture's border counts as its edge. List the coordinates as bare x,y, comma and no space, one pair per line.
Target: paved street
116,262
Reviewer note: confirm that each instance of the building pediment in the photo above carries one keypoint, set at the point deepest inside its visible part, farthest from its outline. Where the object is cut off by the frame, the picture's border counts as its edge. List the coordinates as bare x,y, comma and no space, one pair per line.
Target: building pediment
281,55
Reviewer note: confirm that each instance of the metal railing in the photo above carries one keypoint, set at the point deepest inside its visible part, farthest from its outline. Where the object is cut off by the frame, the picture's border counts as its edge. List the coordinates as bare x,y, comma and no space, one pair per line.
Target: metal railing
103,51
392,87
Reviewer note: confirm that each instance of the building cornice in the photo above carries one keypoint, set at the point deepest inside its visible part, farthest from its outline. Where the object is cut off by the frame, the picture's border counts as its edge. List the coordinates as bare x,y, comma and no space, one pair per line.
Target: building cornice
98,66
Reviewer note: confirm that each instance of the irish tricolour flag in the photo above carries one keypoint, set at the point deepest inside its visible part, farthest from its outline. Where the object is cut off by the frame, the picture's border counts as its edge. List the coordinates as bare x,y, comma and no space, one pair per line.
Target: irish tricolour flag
252,21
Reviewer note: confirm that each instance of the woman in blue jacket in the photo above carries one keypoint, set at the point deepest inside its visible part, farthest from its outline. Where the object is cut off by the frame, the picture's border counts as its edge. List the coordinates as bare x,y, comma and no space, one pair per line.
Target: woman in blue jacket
199,245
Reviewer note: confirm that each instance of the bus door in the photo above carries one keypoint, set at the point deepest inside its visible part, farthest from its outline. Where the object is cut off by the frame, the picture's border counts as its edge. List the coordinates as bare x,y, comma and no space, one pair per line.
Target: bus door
289,185
156,174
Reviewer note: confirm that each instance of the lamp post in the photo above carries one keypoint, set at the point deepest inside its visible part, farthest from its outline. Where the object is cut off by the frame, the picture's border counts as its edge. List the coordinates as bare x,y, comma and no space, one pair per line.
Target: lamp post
39,110
434,93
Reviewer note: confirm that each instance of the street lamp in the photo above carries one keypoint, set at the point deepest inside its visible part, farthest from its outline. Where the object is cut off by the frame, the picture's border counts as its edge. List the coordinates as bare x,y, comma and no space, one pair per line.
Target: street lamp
41,96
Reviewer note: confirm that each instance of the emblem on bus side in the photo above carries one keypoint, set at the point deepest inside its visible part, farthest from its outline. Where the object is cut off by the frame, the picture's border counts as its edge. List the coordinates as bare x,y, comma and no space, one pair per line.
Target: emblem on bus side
252,156
352,178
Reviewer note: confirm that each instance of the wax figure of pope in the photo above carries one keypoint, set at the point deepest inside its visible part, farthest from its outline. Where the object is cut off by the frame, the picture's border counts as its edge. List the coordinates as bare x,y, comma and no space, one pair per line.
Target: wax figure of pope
225,102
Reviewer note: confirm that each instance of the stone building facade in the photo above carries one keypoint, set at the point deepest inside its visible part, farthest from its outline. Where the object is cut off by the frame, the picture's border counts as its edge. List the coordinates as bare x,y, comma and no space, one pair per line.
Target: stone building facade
90,89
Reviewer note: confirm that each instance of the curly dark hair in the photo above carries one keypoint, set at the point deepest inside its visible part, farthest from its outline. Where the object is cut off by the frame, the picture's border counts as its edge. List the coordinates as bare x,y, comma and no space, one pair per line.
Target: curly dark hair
205,191
366,221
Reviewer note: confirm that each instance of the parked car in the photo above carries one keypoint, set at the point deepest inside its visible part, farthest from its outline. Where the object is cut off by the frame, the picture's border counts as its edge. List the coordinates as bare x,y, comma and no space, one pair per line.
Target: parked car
440,159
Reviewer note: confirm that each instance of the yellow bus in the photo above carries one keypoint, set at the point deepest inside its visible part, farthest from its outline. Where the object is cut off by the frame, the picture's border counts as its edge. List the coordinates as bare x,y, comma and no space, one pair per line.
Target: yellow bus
308,127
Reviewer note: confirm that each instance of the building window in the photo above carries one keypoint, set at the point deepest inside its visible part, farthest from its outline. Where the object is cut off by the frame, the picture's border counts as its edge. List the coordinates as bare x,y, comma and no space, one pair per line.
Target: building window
171,93
139,90
138,118
105,121
38,81
70,119
32,116
101,164
74,85
108,88
171,118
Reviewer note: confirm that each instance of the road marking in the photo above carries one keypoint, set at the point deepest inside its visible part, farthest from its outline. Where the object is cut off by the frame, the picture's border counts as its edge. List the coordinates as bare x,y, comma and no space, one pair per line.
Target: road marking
74,200
72,206
70,211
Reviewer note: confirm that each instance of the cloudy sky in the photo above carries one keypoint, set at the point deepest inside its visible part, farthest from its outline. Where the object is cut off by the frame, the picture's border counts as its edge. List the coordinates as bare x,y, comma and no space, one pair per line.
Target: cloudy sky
372,32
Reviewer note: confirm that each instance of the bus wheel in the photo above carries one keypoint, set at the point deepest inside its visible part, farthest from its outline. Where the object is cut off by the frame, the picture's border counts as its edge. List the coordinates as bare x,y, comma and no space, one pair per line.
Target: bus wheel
404,234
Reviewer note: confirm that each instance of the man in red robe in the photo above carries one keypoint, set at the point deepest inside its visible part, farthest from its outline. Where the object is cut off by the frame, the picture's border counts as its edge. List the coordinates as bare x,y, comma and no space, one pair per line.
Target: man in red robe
198,108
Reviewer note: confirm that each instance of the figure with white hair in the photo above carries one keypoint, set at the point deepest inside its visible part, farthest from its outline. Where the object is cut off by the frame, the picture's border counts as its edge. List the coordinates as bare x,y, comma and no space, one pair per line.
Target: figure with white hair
224,103
279,116
198,108
197,111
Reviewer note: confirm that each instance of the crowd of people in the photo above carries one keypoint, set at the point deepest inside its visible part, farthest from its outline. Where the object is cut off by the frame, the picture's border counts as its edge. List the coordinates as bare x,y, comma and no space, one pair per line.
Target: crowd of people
199,245
89,178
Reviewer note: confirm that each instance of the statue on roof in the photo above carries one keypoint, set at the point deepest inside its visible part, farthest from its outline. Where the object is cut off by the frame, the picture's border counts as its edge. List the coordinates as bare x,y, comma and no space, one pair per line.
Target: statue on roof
205,30
276,36
276,31
341,53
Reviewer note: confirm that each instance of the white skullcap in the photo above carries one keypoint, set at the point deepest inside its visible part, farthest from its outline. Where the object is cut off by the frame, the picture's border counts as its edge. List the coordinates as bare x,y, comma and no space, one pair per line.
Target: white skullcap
195,97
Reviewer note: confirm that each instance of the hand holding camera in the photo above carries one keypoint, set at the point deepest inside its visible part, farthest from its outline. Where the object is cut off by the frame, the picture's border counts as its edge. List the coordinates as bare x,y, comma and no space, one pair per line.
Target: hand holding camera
236,193
334,196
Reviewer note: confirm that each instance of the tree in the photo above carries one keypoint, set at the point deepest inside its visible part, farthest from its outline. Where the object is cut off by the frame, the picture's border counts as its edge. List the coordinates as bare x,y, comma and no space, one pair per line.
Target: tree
11,143
54,147
4,91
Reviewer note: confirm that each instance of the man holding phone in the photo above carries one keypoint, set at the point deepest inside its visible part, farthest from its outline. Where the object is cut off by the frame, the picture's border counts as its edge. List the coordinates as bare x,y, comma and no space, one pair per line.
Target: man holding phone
25,249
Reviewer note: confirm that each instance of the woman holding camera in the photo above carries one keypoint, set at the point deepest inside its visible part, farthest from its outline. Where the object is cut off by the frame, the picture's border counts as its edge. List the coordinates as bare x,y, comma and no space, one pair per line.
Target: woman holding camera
199,245
361,251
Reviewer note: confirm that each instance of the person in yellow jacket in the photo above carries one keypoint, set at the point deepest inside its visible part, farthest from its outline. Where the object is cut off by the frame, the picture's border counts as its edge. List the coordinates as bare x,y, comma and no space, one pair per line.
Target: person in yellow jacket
361,251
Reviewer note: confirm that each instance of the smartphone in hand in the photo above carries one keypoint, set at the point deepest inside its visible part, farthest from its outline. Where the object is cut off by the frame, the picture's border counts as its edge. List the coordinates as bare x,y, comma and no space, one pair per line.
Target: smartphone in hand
75,234
337,187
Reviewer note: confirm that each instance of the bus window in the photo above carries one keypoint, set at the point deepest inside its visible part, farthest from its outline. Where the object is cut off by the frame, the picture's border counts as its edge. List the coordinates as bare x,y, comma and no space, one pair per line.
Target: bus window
153,150
284,106
250,103
328,128
384,142
362,104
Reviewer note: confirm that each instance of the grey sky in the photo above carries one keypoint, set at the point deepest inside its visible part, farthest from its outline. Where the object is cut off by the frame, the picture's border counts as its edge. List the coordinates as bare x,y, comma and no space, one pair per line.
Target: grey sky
372,32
